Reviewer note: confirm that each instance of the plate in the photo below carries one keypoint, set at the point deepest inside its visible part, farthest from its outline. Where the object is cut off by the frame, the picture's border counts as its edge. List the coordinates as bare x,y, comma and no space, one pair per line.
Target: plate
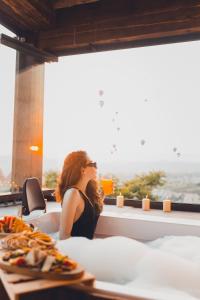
73,274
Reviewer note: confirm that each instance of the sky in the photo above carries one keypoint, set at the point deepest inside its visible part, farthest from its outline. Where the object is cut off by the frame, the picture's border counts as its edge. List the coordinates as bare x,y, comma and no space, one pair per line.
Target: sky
152,94
137,105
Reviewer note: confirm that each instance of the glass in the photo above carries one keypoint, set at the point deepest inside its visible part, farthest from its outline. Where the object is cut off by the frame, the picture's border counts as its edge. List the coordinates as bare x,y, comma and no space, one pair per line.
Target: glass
107,186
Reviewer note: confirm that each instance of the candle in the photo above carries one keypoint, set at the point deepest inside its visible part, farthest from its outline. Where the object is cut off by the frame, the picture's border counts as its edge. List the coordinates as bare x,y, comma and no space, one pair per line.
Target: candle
120,200
146,203
166,205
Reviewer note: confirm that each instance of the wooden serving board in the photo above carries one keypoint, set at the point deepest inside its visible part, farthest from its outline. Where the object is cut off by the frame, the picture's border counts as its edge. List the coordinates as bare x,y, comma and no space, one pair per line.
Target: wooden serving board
69,275
21,287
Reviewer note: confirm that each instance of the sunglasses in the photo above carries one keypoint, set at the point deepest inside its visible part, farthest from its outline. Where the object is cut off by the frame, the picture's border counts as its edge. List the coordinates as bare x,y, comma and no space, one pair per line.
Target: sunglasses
92,164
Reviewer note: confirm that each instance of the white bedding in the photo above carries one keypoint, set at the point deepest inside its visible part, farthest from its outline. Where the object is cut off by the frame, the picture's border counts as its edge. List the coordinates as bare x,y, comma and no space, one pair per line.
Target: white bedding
169,268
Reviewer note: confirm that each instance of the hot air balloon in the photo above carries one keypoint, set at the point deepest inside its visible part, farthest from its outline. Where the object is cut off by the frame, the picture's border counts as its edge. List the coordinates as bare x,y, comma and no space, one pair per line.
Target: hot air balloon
101,92
101,103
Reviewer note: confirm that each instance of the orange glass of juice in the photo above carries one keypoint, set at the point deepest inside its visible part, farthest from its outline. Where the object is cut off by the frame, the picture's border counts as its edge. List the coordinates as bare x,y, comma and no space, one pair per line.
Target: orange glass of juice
107,186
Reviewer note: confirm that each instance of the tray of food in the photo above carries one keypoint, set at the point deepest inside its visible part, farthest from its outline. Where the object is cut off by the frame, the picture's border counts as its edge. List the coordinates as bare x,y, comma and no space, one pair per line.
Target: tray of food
12,224
34,254
40,264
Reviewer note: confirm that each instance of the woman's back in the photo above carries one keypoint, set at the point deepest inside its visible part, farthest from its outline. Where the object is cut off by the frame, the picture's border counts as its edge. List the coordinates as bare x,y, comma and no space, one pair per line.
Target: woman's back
86,223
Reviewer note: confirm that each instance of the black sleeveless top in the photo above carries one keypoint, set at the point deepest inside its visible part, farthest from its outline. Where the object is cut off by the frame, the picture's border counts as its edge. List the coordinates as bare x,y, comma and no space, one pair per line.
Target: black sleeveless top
86,224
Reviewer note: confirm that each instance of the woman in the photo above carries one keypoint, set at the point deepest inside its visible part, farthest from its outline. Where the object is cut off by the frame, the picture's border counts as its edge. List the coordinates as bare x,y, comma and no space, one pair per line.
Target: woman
78,193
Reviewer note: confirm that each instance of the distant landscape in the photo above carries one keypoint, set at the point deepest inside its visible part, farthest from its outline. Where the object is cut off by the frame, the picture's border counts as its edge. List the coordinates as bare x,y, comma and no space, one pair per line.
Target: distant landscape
180,187
182,178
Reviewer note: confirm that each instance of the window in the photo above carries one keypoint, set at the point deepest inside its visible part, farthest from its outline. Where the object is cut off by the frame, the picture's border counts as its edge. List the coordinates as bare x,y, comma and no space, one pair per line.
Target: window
134,111
7,80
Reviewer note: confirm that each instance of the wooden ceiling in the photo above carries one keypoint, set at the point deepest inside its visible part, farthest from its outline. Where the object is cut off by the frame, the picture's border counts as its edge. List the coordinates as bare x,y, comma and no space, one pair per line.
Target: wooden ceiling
69,3
64,27
22,16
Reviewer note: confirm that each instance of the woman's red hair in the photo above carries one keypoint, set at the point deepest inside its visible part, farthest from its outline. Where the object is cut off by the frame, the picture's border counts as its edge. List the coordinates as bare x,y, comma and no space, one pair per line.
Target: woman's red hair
71,174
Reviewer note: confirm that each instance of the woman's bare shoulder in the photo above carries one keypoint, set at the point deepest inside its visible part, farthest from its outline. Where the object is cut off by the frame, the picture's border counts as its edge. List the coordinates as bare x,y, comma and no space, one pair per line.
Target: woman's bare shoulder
71,194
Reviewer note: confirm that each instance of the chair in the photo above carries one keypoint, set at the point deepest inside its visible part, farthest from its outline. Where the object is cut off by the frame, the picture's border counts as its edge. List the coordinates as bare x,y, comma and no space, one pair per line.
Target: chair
32,196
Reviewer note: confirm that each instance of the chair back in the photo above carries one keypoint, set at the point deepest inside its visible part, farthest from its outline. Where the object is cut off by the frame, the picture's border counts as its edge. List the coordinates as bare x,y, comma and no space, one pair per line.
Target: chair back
32,196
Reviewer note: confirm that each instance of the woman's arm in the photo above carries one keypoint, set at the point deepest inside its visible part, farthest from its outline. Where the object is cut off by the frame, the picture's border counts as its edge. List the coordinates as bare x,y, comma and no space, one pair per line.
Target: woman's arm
69,207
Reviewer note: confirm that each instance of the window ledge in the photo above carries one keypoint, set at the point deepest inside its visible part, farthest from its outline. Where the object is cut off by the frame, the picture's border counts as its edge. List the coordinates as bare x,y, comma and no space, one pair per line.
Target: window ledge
154,215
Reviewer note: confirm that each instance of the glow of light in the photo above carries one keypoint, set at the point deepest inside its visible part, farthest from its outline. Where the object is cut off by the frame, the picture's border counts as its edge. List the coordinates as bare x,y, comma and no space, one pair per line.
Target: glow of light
34,148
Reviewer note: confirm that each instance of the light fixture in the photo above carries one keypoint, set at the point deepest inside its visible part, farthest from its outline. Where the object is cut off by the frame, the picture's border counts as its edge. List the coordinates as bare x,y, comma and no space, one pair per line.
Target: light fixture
34,148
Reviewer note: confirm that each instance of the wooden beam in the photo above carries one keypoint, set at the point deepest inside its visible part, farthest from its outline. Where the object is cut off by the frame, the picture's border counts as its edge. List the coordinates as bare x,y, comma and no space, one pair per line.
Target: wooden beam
69,3
97,29
28,15
28,119
92,48
27,49
10,20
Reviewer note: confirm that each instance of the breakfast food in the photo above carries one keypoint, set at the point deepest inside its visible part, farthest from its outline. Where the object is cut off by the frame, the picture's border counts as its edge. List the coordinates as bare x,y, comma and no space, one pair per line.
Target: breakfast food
11,224
27,239
39,260
34,251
